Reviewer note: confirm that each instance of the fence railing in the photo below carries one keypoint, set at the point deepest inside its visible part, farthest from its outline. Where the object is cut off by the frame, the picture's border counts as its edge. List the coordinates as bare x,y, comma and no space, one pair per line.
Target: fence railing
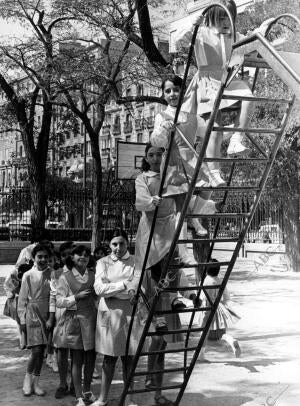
69,215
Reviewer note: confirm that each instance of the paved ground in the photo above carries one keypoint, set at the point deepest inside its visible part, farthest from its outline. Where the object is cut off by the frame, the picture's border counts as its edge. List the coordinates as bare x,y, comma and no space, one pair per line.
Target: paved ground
267,374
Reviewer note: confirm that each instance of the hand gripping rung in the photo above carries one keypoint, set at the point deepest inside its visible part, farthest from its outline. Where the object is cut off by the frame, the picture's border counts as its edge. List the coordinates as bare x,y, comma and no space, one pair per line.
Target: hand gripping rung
158,371
179,331
154,389
249,130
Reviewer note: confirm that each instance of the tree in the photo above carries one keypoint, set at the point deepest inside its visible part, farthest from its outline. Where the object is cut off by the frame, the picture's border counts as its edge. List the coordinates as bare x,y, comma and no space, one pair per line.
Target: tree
284,177
26,79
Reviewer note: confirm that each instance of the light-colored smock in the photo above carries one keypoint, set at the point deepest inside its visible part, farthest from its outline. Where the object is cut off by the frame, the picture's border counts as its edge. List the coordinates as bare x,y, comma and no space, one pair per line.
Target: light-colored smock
212,51
33,305
225,316
182,160
147,186
75,328
115,310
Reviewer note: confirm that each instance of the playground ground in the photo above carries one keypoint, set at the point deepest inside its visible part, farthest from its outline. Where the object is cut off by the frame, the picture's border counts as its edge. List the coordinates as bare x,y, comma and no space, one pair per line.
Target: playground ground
267,374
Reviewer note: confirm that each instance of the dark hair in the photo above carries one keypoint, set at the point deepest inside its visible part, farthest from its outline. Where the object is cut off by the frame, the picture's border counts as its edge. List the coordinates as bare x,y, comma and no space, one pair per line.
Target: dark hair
67,245
41,247
22,269
145,165
215,269
119,232
213,15
102,247
78,249
176,80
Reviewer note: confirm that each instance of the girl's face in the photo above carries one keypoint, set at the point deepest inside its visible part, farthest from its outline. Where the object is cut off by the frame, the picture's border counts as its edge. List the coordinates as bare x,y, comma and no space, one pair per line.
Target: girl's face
118,246
153,157
223,25
80,260
171,93
41,260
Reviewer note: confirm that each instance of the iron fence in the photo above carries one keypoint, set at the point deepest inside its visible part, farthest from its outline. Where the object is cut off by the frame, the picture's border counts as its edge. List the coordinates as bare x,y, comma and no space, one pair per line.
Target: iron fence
69,214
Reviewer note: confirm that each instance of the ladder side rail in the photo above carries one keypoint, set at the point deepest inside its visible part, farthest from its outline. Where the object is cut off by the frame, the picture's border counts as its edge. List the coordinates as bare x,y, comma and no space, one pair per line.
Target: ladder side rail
235,253
151,312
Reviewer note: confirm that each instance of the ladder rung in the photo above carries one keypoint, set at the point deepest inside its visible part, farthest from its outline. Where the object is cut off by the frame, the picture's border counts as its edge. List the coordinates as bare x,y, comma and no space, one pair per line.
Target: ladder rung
248,130
158,371
187,288
186,310
179,331
217,215
224,160
154,389
206,264
168,351
254,98
228,188
192,240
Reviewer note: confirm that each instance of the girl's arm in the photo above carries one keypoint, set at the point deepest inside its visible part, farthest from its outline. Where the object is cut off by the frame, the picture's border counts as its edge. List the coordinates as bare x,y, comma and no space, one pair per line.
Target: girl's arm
64,296
23,299
103,288
184,34
160,135
144,200
11,283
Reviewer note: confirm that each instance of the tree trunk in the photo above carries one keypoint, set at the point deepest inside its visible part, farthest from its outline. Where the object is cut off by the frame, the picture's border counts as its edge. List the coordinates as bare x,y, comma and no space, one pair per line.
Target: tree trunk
38,204
292,232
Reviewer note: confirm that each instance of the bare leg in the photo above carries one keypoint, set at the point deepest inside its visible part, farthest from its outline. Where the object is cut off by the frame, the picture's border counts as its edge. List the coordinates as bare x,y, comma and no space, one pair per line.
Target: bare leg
236,145
108,370
78,359
233,344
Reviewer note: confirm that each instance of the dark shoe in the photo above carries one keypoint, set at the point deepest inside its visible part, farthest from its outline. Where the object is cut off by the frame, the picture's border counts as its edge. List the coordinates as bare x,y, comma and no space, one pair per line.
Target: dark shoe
160,324
72,390
177,305
196,300
61,392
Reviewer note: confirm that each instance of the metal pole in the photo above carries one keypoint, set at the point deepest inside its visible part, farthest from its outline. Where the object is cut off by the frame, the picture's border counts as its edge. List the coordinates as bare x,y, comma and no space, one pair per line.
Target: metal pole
84,179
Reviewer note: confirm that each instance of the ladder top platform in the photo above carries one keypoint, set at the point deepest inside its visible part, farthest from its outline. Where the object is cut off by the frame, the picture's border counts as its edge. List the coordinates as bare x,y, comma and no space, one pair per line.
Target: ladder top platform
285,64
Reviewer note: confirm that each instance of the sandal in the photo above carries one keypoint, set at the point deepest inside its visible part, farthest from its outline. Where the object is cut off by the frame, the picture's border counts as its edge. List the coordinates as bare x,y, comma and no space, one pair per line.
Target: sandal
177,305
163,401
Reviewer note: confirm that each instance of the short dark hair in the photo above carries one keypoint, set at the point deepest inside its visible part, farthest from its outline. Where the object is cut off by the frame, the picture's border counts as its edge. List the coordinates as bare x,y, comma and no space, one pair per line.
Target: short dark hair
119,232
41,247
176,80
145,165
102,247
215,269
78,249
67,245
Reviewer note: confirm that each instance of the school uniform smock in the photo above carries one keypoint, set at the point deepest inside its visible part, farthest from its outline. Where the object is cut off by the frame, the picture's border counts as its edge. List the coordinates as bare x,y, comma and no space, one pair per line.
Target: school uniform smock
212,51
75,328
114,311
33,305
147,186
225,316
182,160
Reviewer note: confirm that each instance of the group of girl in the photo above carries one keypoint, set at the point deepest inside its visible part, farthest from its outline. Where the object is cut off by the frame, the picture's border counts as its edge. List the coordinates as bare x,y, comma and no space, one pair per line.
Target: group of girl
90,311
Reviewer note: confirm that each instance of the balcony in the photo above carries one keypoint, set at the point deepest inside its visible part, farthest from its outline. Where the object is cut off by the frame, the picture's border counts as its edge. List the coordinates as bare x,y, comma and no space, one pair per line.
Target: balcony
127,127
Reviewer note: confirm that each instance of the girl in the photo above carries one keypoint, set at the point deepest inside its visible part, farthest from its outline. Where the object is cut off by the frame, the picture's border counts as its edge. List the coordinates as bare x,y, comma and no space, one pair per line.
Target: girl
224,315
33,312
147,186
212,50
181,153
76,328
116,282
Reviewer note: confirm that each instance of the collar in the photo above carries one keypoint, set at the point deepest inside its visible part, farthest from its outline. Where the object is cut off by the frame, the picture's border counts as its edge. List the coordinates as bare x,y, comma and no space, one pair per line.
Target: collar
76,273
125,256
151,174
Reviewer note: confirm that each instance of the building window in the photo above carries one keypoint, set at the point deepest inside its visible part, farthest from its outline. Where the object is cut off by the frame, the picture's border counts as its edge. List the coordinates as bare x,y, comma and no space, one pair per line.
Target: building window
139,90
140,137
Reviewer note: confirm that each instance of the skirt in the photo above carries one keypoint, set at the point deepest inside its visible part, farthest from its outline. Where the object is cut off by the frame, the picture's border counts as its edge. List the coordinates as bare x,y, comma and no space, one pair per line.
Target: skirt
113,320
225,317
202,91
